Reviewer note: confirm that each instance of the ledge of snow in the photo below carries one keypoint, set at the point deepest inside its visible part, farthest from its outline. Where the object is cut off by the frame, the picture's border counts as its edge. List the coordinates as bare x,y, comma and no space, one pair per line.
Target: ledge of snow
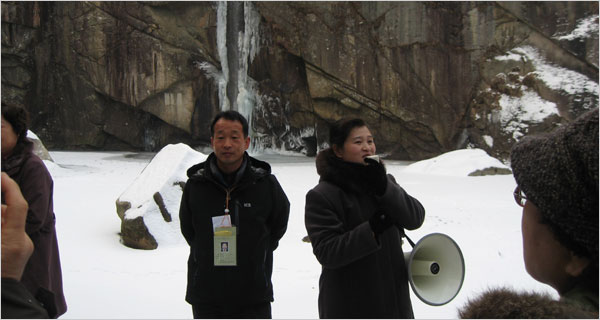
465,162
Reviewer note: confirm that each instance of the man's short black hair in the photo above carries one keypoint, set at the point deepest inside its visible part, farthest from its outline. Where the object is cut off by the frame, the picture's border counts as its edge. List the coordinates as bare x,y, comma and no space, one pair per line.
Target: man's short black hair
232,116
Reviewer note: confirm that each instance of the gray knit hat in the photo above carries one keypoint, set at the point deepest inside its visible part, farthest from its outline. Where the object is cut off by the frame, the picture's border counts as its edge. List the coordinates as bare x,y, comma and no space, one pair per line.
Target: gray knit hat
558,172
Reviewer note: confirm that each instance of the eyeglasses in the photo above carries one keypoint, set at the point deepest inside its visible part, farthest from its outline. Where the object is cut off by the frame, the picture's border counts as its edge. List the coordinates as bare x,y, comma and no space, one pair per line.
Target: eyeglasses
520,197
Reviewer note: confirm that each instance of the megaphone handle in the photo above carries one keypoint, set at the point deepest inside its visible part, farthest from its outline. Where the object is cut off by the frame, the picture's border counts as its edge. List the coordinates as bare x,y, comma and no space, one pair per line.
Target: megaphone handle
412,244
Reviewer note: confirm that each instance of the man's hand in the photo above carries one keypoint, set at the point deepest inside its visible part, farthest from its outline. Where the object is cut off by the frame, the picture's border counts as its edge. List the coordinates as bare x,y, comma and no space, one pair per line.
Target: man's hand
16,244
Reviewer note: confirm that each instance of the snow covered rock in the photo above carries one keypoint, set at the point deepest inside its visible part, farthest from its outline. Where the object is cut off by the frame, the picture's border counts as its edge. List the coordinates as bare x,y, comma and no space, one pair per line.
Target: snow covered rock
465,162
38,147
149,207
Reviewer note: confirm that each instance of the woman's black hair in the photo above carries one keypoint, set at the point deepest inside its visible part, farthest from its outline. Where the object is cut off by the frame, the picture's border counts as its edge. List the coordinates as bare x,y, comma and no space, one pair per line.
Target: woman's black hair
339,131
18,119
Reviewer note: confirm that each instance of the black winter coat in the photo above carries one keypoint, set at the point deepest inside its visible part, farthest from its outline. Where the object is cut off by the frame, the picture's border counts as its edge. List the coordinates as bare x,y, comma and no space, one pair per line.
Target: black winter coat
259,209
362,276
43,273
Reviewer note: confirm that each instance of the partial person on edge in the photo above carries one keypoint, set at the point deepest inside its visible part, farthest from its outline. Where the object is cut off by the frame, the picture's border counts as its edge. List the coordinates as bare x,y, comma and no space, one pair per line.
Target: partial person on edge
43,273
557,186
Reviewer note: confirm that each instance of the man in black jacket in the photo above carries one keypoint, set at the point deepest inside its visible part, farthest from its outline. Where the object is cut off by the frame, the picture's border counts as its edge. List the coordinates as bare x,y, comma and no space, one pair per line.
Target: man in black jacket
231,198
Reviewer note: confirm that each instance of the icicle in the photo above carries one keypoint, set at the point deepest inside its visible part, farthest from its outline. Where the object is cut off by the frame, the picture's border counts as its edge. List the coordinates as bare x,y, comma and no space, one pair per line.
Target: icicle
222,49
248,44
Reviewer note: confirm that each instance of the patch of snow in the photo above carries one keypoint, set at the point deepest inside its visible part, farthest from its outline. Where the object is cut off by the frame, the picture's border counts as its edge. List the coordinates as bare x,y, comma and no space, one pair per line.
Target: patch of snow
529,107
517,113
586,28
488,140
456,163
52,167
509,56
556,77
32,135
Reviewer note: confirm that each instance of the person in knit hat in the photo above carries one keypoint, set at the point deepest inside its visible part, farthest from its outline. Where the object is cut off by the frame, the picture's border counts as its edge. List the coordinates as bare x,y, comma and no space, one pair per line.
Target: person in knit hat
557,186
558,173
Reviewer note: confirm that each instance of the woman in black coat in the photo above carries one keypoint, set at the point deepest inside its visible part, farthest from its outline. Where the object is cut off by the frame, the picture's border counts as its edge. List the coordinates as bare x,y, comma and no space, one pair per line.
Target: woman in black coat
355,218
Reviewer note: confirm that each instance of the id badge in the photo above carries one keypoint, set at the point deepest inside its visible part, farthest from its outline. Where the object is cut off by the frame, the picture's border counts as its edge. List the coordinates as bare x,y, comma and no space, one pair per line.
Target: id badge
225,246
221,222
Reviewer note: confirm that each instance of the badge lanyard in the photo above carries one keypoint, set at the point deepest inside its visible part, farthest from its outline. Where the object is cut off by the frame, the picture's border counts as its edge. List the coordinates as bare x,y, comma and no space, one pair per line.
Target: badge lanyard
225,237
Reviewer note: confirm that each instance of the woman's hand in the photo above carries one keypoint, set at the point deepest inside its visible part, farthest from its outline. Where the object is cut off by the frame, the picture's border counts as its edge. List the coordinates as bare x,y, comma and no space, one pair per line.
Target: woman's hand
376,177
16,244
380,222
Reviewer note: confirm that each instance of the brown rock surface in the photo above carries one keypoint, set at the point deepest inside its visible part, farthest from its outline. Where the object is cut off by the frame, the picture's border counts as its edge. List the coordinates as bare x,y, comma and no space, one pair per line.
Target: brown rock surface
126,76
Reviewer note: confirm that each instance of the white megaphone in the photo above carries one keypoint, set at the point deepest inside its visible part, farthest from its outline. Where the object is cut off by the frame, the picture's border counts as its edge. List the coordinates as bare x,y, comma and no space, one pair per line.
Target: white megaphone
436,268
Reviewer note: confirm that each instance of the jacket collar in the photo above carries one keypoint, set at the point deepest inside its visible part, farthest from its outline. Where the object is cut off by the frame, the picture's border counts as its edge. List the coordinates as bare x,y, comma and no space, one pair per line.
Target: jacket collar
12,164
251,170
218,175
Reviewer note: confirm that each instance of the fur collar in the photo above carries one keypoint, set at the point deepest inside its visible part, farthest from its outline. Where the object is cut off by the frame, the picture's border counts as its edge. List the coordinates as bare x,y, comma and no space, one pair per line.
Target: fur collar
348,176
508,304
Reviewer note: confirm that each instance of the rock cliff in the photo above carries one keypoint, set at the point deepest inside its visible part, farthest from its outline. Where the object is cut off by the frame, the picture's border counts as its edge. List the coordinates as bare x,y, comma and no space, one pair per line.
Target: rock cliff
425,75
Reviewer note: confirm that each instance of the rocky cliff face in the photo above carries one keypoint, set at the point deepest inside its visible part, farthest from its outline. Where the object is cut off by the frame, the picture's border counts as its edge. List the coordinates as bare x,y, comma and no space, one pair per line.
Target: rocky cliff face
424,75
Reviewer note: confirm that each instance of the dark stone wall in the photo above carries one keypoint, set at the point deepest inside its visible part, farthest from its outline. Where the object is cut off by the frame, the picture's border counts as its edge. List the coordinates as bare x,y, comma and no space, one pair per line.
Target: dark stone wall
128,75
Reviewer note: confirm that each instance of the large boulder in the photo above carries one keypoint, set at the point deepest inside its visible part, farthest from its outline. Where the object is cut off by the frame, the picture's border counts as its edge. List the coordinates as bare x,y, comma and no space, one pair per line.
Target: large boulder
149,207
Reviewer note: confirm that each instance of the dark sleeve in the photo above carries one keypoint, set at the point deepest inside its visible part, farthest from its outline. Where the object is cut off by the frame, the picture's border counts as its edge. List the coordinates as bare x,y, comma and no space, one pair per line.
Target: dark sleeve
403,208
334,246
37,188
185,216
280,215
18,303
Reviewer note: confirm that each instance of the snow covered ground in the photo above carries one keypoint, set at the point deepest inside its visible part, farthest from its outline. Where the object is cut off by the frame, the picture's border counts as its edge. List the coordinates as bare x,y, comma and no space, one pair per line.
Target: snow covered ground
104,279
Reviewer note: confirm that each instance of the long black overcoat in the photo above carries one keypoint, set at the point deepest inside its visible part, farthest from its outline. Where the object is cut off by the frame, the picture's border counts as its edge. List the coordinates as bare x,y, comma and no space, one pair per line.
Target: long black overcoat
363,276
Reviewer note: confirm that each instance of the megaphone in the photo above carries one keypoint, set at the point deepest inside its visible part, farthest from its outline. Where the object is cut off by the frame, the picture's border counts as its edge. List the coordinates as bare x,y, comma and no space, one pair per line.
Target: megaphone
436,268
